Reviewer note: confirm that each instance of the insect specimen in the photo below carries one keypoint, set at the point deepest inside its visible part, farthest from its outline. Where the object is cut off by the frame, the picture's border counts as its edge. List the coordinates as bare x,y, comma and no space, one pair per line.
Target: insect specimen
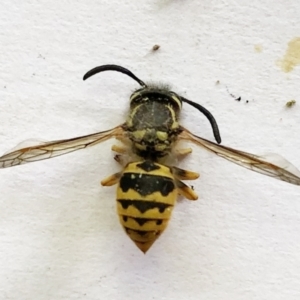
148,185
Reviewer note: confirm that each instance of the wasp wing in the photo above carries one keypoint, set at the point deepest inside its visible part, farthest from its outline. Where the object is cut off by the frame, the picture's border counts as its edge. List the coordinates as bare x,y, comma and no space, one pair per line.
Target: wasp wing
272,165
47,150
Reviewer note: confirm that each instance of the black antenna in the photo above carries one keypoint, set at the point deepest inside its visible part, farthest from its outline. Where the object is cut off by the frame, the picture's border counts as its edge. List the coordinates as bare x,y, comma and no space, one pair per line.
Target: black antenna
208,115
125,71
113,68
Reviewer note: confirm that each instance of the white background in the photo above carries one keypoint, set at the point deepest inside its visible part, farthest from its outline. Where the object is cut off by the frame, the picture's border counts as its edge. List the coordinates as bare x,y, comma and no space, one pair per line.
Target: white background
59,233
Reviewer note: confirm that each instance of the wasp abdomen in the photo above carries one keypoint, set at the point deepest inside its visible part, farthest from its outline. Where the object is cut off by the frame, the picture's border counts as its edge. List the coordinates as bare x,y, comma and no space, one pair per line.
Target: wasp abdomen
145,199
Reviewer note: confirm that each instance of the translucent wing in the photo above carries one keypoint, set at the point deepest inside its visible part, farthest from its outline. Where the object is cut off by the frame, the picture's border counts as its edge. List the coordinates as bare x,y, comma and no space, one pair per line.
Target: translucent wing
272,165
47,150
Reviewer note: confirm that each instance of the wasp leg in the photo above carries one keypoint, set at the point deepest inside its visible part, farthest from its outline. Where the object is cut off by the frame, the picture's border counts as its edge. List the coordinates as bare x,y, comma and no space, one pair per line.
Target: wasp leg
185,191
184,174
112,179
182,153
119,149
124,140
120,159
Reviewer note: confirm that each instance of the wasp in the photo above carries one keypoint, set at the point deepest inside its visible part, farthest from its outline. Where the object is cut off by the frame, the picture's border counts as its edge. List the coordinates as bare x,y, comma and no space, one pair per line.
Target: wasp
148,184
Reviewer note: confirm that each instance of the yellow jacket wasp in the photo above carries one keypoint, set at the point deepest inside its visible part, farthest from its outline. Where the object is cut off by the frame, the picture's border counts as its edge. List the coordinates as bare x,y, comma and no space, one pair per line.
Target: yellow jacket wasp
148,186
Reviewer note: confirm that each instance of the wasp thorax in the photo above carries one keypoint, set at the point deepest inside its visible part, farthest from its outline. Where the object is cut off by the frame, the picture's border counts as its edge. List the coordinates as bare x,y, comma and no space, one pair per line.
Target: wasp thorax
152,124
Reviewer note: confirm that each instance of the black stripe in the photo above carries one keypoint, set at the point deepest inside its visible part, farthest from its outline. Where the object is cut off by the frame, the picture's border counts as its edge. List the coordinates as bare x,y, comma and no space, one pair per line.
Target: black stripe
143,205
143,221
146,184
139,232
140,221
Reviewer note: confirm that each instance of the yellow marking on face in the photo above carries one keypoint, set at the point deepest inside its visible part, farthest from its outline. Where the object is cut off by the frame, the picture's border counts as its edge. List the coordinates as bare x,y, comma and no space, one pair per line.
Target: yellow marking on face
161,135
171,109
160,147
177,100
135,95
131,116
175,125
140,147
139,134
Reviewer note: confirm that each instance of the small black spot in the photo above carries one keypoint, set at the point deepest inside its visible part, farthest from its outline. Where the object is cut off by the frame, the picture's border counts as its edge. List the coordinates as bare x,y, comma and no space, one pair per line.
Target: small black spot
159,222
125,218
161,209
148,166
238,99
143,205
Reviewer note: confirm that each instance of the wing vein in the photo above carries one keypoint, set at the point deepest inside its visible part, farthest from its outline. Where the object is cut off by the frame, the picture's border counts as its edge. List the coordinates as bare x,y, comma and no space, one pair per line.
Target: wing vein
272,165
56,148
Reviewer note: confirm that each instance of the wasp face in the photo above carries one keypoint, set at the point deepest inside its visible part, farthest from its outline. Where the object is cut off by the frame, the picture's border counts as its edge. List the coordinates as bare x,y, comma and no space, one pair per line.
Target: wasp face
152,124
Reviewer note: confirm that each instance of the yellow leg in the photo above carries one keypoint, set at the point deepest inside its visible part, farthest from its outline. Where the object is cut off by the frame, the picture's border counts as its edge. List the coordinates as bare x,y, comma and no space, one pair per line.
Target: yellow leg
184,174
112,179
119,149
182,153
185,191
123,140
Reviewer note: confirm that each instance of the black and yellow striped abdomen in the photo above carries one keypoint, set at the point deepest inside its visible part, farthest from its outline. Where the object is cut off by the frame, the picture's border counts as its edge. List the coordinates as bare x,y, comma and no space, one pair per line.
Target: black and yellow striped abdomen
146,195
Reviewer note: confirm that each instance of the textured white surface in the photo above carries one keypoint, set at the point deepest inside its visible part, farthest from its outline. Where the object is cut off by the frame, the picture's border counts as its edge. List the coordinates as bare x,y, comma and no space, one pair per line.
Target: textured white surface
59,234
